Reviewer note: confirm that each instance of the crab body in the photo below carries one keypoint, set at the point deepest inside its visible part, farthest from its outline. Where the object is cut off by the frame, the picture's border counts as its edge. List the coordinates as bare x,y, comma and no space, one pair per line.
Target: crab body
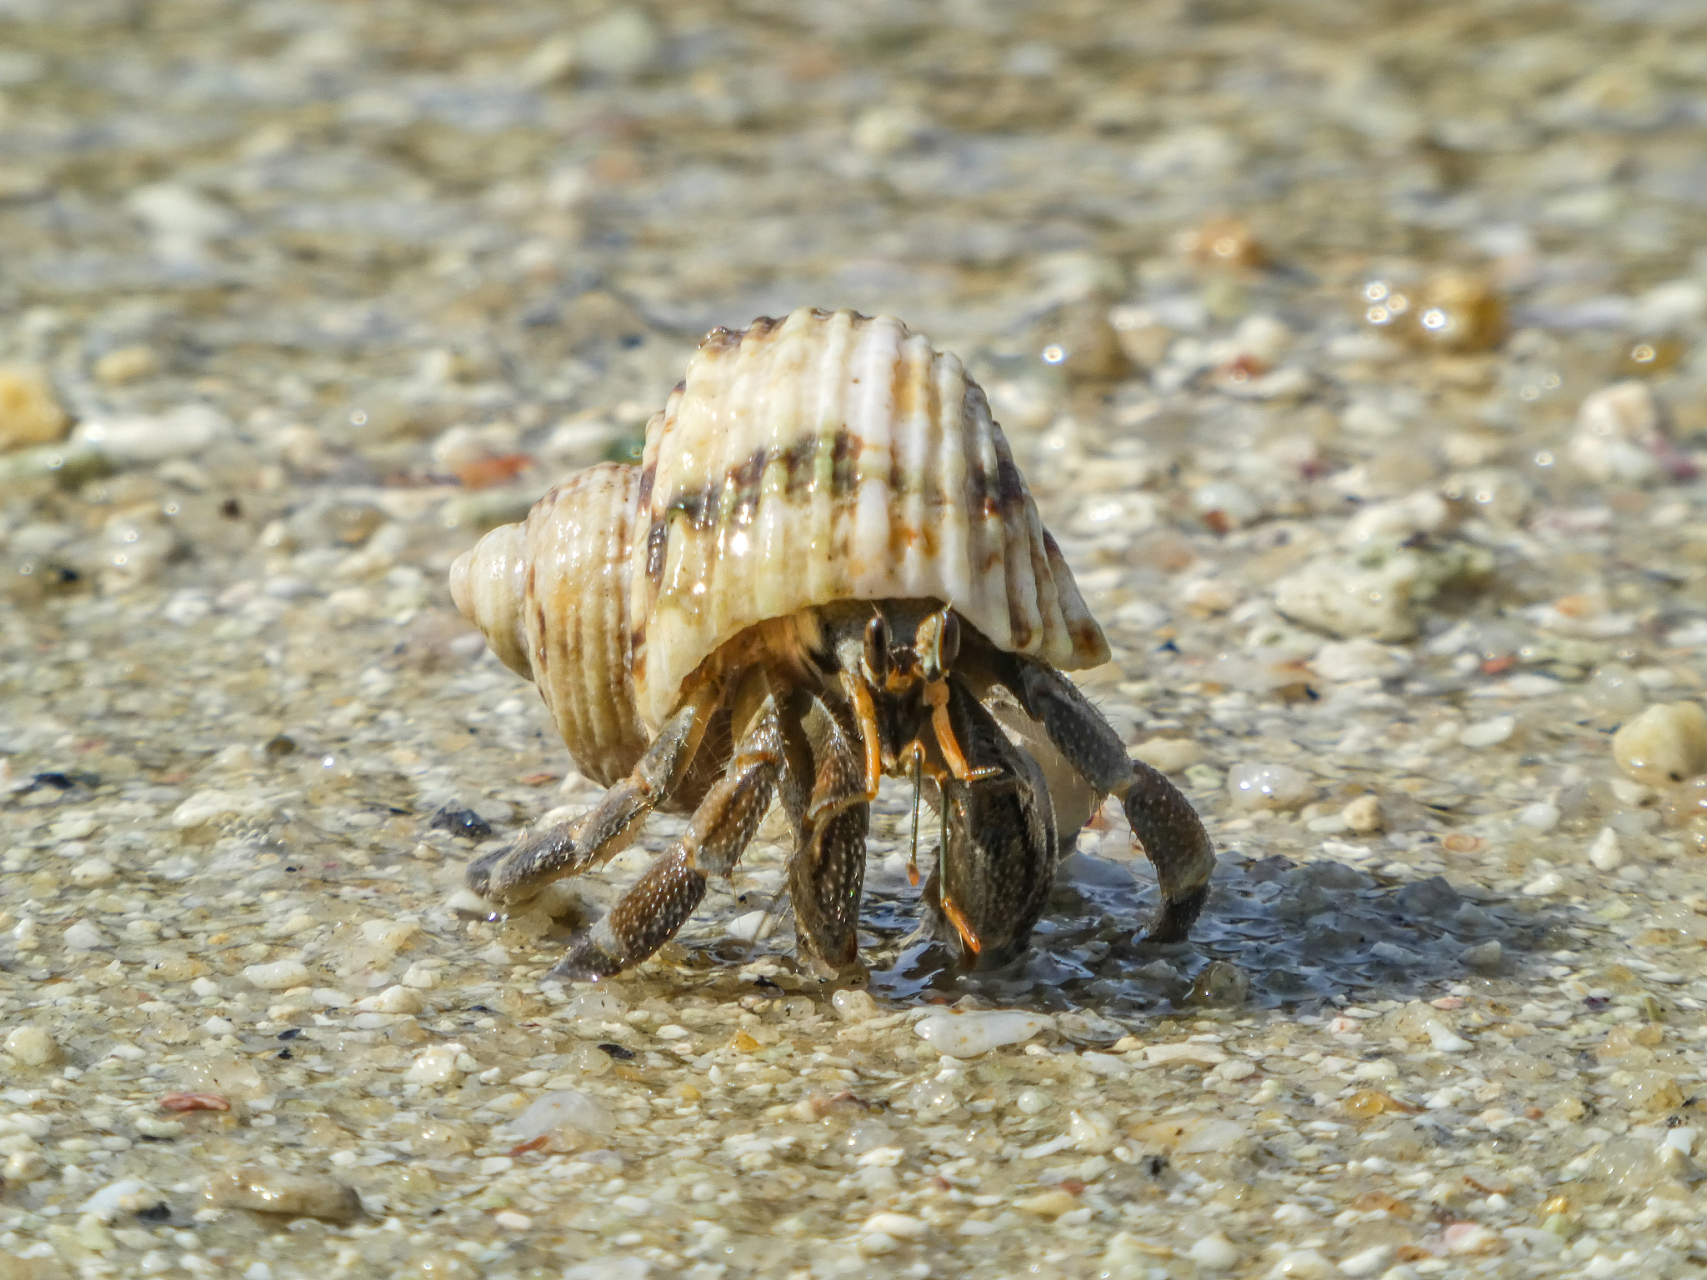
825,568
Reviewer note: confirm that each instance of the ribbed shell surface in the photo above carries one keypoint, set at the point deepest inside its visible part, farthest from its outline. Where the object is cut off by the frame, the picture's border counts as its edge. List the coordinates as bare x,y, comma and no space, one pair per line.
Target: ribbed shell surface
550,595
833,456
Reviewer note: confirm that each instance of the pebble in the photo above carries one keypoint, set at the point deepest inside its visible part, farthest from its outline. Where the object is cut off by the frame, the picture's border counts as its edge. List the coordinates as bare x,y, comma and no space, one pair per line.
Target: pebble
279,975
899,1225
1214,1252
395,999
1471,1237
1363,815
1605,853
1444,1038
1614,690
438,1065
92,872
1092,1132
1263,785
1050,1204
1486,956
29,411
32,1045
1169,755
1547,882
1304,1264
1032,1101
143,439
1358,659
1367,1262
563,1108
212,805
1616,430
1667,743
1205,1055
84,936
854,1005
125,1196
1487,733
622,44
1216,1135
970,1033
127,364
294,1195
1543,815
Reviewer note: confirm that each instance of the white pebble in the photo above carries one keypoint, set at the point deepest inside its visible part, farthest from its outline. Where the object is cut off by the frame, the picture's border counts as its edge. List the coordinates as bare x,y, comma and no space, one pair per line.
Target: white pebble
1540,816
1169,755
124,1196
1204,1055
1444,1038
1363,815
1092,1132
968,1034
1547,882
1616,428
1216,1135
1304,1264
92,872
421,977
1667,743
212,806
280,975
1488,733
186,430
397,999
392,935
512,1221
1269,786
83,936
854,1005
878,1243
1358,659
1032,1101
553,1111
1605,853
1366,1263
436,1065
900,1225
1214,1253
33,1046
1233,503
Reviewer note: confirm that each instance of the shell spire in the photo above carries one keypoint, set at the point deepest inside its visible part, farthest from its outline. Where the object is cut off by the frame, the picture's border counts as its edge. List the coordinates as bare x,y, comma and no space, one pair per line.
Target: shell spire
834,456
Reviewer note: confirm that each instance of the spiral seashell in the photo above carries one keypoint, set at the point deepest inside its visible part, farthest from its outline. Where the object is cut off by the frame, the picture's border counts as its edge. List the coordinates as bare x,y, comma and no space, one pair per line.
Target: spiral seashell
828,456
551,594
833,456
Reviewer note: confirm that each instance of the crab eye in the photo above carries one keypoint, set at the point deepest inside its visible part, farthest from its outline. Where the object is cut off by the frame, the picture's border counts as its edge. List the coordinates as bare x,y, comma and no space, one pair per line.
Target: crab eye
948,641
876,648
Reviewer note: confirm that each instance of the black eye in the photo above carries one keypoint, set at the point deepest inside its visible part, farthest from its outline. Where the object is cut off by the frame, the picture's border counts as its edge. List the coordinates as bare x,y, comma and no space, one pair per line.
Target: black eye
876,648
948,645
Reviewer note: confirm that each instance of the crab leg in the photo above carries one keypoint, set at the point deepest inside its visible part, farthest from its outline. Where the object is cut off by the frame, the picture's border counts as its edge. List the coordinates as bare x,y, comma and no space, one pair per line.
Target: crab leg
827,870
659,903
997,859
1162,819
519,872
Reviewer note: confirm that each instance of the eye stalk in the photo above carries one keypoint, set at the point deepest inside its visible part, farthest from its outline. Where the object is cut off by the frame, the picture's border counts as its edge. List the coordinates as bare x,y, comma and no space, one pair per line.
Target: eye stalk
875,660
938,643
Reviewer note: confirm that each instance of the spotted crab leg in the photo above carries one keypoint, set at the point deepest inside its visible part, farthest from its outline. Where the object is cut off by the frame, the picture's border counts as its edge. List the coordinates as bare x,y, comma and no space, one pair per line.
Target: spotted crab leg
519,872
997,859
827,870
654,907
1162,819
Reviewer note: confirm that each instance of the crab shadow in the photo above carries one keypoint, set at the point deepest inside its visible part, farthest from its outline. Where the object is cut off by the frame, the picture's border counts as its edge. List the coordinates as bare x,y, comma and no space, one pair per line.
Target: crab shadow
1275,934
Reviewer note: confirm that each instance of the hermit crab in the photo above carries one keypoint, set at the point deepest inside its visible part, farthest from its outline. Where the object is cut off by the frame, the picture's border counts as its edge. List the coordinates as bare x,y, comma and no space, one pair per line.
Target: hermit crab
826,568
